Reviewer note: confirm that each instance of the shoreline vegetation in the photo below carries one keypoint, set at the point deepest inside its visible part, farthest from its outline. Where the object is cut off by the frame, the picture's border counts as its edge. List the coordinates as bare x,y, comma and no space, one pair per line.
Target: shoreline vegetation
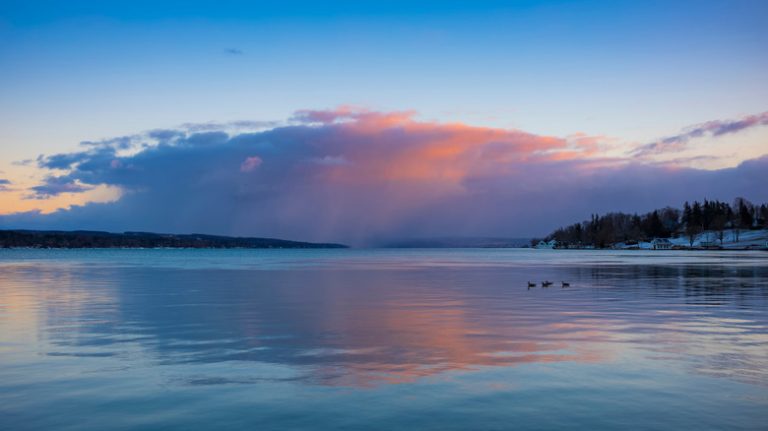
139,240
711,225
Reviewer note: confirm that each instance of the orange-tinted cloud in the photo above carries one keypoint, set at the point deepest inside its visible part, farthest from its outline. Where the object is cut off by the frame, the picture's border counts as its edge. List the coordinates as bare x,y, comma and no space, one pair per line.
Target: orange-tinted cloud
395,147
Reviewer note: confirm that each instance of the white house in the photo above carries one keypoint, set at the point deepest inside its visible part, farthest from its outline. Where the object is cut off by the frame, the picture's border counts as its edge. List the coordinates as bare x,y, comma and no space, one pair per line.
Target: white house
546,245
661,244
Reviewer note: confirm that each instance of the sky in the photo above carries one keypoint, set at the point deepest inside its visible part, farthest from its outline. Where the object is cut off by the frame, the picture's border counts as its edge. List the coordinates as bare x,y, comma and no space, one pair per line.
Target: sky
363,121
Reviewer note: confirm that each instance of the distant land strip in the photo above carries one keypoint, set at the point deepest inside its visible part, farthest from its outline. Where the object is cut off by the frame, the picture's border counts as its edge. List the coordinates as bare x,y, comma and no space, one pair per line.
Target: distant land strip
458,242
96,239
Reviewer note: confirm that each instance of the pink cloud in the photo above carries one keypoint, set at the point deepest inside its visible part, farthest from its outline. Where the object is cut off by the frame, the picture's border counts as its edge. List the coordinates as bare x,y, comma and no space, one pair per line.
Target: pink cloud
250,163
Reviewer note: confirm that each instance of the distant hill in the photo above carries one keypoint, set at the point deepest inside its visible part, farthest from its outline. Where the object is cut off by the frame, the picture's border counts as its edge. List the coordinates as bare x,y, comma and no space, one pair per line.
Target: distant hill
95,239
458,242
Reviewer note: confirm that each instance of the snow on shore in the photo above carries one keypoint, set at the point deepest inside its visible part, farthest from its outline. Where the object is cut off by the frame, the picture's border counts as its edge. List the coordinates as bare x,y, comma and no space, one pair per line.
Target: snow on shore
747,239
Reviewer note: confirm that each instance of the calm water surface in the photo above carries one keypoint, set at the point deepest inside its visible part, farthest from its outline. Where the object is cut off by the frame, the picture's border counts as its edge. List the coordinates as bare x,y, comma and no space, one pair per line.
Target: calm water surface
382,339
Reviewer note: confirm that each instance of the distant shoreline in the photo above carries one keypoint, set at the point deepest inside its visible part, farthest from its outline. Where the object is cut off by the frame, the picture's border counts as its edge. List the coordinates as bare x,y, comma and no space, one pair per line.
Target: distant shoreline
35,239
654,251
389,248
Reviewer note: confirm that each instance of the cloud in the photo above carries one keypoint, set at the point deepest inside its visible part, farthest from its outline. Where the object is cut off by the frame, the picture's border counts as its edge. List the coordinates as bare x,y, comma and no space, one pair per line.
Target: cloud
364,177
351,113
119,143
234,51
4,184
250,163
231,125
56,185
714,128
81,161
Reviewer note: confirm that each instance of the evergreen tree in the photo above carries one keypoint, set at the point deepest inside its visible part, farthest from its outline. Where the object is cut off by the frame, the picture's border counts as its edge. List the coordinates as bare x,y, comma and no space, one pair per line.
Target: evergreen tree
686,213
745,214
764,215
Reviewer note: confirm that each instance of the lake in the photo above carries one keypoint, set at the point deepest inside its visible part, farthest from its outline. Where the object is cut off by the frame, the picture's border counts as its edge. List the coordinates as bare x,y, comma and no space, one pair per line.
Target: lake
383,339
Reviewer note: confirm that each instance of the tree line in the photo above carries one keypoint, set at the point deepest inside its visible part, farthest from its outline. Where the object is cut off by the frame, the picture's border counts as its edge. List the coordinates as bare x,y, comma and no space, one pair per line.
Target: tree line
94,239
695,218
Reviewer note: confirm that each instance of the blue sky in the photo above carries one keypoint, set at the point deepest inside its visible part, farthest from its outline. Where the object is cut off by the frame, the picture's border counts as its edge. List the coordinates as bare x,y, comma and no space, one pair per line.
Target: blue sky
633,69
630,71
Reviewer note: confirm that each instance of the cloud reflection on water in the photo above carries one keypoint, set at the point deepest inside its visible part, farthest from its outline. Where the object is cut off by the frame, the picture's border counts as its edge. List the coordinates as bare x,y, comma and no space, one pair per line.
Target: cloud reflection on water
363,328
